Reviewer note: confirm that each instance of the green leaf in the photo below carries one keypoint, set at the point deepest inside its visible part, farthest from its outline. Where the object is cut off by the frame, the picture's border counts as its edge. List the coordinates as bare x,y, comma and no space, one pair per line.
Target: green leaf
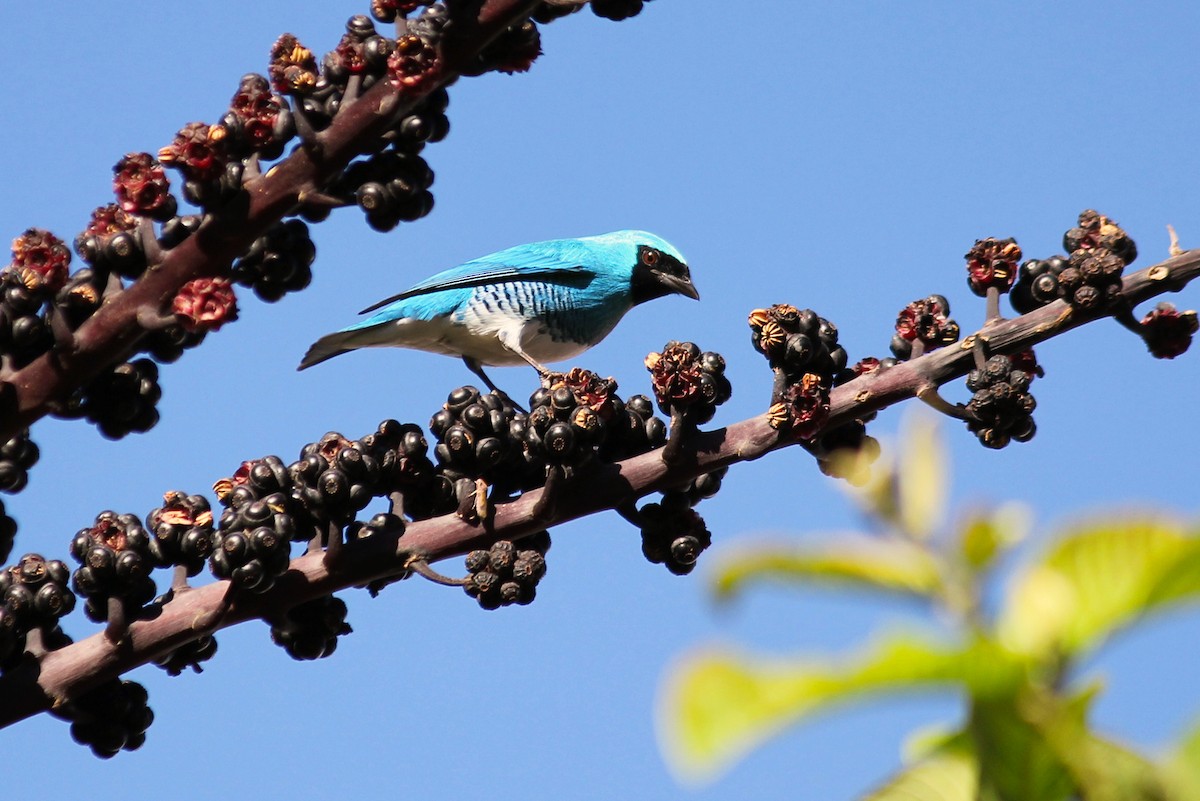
1182,766
986,534
1098,579
1016,763
890,565
715,706
948,776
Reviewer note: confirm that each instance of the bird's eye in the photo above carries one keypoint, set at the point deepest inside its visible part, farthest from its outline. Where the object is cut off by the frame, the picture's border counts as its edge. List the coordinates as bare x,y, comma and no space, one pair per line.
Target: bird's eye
649,257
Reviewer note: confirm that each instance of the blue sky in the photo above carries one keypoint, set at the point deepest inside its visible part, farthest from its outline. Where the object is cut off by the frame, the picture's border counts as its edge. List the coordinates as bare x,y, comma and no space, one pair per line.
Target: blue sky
837,156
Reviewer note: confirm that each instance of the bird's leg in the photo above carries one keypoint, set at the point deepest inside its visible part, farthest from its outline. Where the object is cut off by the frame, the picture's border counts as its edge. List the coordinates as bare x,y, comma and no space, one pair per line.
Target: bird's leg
545,374
475,367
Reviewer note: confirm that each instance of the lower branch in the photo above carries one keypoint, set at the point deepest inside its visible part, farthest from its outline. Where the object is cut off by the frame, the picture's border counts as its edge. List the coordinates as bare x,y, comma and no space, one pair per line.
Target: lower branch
65,673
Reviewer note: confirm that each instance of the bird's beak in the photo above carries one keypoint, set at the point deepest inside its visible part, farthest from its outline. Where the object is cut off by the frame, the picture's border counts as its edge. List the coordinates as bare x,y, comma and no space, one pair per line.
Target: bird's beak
680,286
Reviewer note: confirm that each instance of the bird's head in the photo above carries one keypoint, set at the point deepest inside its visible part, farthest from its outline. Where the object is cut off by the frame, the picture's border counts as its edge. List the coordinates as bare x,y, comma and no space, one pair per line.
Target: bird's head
658,268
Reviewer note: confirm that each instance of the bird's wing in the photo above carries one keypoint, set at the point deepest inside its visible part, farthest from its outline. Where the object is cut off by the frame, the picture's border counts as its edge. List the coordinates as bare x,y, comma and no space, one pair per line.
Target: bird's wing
557,260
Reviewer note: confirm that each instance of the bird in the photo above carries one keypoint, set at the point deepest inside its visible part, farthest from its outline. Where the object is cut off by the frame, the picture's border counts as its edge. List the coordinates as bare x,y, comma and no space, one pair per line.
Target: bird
532,303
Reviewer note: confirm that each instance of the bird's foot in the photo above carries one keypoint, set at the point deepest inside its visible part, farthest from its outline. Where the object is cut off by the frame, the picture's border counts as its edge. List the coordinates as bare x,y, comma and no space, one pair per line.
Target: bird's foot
551,378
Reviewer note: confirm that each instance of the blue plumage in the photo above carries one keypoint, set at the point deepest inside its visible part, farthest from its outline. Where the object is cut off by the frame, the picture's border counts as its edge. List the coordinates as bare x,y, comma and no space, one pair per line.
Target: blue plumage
539,302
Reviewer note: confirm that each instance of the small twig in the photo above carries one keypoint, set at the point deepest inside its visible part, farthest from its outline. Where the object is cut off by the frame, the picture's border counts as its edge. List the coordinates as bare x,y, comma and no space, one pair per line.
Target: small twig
211,619
543,509
992,301
150,246
333,545
931,397
1174,249
1122,312
179,580
918,349
350,93
631,513
118,621
64,337
418,565
304,128
397,503
675,436
35,643
979,352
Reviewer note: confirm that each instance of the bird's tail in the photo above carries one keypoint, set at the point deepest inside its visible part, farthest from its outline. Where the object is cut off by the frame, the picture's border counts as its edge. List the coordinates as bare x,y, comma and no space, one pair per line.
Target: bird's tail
327,347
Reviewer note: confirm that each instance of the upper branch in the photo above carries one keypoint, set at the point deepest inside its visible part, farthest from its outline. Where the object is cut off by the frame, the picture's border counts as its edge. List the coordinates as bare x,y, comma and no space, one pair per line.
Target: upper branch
112,333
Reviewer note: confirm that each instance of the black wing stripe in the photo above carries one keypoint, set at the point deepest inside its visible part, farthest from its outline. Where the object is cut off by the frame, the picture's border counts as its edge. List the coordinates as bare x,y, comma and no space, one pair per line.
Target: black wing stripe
577,273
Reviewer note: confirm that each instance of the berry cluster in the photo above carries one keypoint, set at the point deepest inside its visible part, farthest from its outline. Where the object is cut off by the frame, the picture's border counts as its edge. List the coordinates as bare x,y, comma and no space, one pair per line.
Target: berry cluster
119,401
1001,410
33,595
258,121
688,381
310,630
1167,331
802,348
37,272
111,244
278,262
110,718
474,438
211,176
405,468
507,573
115,560
575,418
189,655
335,478
1037,283
16,457
181,531
617,10
142,188
927,322
1089,278
673,534
992,264
257,525
514,50
392,186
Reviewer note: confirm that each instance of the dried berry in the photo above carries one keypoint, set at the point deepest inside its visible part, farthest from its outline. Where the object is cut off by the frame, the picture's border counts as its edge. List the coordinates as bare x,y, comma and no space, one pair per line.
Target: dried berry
927,321
1167,331
992,263
293,68
205,304
142,188
40,260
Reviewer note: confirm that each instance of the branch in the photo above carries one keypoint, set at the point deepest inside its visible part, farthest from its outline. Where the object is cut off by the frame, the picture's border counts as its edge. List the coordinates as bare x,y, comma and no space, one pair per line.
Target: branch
61,674
112,333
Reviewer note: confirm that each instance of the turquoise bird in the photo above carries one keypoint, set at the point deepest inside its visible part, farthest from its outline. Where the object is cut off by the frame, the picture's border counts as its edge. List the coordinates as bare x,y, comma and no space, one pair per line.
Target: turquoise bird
535,303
